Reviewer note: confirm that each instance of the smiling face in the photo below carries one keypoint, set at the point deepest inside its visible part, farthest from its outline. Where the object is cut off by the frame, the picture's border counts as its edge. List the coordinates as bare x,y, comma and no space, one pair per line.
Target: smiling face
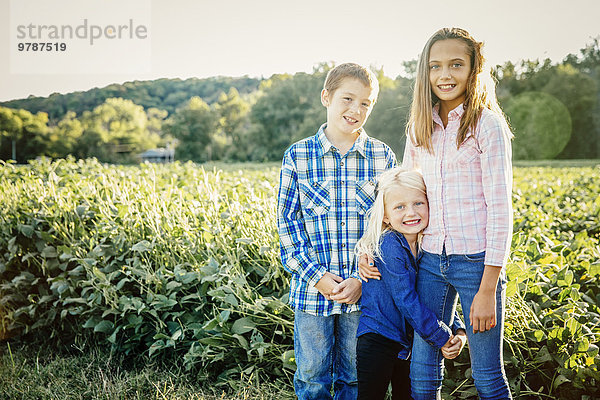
348,107
406,210
449,70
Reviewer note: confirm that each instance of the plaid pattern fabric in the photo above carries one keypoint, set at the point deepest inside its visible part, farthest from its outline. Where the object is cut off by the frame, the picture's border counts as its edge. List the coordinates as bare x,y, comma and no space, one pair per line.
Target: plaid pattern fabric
321,213
469,189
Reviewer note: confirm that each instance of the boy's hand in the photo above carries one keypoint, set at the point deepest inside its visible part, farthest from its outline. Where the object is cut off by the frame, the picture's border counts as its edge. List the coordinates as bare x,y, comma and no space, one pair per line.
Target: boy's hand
327,283
348,291
454,346
367,269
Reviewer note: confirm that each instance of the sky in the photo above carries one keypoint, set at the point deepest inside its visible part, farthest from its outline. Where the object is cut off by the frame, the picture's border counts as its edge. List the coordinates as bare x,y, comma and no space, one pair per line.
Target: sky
200,38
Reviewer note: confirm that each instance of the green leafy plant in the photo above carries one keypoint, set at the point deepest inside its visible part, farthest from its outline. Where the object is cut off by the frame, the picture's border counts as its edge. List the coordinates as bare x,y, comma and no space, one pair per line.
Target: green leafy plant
181,264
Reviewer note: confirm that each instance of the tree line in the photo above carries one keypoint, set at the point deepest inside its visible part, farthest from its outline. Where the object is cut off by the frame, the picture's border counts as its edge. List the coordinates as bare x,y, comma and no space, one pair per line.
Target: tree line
165,94
553,108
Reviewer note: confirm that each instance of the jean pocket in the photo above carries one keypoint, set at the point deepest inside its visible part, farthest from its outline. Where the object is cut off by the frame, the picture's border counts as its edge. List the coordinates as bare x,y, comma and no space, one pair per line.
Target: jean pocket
314,197
365,195
474,258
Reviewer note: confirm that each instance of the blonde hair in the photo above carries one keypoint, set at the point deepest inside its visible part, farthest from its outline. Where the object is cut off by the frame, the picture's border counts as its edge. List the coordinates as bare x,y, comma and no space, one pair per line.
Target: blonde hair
480,92
336,76
369,243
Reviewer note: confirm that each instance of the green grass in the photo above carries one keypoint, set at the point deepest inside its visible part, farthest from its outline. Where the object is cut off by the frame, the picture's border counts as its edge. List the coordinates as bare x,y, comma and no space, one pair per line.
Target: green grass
34,371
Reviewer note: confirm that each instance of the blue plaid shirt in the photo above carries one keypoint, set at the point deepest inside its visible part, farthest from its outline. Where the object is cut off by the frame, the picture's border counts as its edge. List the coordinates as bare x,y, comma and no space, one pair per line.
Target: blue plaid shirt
321,213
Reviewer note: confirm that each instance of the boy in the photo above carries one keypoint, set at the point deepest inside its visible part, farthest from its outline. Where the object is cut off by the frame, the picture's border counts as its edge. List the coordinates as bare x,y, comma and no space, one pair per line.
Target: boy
326,187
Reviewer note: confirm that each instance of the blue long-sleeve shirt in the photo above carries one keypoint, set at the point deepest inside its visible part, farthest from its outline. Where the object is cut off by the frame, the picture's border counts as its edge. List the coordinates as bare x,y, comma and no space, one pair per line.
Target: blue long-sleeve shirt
391,306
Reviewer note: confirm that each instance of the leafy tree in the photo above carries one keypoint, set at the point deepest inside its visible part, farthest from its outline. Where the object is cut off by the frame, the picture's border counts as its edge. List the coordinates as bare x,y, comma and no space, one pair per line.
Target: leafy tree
589,58
64,138
116,131
389,116
541,125
410,68
289,109
194,126
384,81
167,94
24,135
11,127
579,92
233,113
156,119
588,62
576,90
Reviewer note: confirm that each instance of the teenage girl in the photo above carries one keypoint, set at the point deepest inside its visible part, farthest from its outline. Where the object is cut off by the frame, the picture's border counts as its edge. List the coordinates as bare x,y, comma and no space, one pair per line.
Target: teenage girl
391,307
458,137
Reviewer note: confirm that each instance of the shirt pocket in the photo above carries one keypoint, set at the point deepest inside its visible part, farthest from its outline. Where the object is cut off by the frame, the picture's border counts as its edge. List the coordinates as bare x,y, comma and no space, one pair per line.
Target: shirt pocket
365,195
467,154
314,197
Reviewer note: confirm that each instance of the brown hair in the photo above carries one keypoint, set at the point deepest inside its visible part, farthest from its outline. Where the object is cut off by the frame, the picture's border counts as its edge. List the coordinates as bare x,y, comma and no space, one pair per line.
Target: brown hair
480,92
350,70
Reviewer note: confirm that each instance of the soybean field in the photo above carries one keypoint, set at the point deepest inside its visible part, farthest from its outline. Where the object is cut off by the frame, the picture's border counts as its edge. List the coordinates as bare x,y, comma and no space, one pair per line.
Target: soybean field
179,264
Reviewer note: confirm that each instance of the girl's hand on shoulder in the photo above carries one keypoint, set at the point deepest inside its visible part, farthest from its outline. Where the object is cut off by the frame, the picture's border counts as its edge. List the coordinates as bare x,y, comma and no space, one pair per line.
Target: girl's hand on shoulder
367,269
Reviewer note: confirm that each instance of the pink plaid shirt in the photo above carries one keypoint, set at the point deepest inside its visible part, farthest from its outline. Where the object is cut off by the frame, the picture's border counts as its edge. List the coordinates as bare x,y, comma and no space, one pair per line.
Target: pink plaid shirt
469,189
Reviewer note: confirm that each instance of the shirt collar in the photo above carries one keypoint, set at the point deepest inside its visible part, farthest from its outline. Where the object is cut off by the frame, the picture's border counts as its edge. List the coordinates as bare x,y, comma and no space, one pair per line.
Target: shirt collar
404,243
360,143
324,145
454,114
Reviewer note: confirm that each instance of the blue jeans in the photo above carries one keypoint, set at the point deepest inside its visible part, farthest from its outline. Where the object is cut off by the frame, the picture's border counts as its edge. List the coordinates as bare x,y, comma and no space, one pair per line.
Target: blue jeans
325,351
441,277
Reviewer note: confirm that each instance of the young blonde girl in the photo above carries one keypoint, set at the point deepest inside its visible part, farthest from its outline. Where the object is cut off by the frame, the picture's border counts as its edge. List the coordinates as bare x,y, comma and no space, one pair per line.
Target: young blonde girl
459,139
391,307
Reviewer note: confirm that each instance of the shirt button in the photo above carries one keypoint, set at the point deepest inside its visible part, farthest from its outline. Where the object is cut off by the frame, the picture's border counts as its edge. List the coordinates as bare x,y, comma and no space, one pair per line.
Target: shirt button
342,163
341,203
343,245
343,223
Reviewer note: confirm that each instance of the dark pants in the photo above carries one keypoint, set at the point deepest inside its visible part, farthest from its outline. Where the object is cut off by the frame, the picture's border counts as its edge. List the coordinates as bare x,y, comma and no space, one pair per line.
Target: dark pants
377,364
